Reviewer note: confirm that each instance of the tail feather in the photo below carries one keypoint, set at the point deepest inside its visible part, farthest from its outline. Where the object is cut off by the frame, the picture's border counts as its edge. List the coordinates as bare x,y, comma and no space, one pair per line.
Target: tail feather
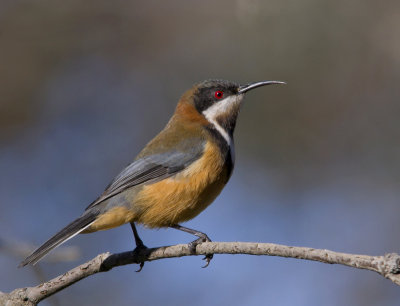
68,232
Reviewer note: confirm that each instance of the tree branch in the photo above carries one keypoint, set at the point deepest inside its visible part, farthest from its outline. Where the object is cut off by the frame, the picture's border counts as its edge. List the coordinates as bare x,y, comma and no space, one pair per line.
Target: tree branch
388,265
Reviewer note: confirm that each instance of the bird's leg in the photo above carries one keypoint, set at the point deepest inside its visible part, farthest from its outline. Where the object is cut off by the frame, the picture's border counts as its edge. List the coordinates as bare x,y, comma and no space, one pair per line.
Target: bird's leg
192,245
139,244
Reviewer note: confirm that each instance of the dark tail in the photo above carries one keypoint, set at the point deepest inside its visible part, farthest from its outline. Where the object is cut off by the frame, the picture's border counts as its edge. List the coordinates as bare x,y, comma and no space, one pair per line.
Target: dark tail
66,233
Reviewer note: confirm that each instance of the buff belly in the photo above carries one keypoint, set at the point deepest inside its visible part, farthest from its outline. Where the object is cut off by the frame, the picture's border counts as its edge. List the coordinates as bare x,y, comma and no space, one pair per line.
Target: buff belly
172,200
184,196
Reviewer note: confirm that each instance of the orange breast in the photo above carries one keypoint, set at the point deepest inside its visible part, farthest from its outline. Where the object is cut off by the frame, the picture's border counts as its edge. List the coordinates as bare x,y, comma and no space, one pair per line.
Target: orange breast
185,195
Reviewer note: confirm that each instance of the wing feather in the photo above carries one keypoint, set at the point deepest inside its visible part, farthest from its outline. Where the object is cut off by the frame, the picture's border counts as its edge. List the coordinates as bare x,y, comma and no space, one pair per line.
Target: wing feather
151,169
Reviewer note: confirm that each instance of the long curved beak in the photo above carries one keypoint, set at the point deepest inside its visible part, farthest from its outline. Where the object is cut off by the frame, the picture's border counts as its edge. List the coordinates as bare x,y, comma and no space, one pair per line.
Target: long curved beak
245,88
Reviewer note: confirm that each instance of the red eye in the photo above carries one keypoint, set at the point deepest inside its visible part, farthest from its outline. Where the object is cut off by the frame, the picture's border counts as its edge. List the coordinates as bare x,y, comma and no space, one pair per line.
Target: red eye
219,94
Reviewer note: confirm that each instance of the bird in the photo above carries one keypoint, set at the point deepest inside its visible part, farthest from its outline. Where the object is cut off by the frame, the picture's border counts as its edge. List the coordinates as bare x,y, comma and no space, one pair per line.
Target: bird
176,176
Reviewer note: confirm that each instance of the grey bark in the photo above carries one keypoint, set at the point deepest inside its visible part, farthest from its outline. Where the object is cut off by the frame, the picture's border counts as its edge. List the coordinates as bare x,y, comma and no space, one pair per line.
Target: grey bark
387,265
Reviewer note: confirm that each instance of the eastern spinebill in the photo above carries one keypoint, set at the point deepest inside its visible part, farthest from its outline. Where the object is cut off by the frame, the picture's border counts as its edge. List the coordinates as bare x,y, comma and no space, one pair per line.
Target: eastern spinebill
177,174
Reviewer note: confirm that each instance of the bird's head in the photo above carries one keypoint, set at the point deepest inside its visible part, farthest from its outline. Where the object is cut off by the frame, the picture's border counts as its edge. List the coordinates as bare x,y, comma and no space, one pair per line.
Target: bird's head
216,102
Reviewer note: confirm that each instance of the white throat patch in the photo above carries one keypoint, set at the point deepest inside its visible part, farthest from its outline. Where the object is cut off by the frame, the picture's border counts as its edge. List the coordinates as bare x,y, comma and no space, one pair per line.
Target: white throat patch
219,108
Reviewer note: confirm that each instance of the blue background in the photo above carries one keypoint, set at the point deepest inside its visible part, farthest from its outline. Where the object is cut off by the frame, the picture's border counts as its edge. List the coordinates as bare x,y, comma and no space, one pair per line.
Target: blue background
84,86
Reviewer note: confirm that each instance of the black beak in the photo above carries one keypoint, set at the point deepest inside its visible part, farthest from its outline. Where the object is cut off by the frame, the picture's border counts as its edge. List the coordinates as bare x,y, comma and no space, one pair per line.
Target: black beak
245,88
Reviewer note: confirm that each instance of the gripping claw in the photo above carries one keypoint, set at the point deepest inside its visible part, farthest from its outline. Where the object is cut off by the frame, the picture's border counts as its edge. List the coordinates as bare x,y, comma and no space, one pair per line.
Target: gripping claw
194,244
141,265
207,258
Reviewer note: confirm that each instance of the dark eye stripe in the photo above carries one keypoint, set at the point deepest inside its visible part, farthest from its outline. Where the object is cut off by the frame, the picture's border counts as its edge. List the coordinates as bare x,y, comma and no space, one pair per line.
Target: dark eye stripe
204,97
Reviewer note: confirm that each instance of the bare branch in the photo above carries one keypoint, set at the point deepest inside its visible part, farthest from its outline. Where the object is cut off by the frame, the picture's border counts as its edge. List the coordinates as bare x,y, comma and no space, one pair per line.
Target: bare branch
388,265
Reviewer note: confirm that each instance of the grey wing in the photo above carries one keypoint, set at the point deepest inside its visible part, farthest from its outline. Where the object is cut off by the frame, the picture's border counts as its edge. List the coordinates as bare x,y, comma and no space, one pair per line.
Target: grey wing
151,168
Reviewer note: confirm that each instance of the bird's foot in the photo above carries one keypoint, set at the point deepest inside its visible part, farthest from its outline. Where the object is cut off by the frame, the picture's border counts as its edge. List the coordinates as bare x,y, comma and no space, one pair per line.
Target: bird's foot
140,248
194,244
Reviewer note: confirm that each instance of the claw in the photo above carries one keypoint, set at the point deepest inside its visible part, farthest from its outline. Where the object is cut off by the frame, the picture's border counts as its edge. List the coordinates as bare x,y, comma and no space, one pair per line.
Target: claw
207,258
140,248
193,245
141,267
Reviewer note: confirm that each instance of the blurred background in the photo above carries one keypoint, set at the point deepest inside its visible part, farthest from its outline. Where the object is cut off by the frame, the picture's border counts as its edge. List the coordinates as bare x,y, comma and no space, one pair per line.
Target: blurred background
85,84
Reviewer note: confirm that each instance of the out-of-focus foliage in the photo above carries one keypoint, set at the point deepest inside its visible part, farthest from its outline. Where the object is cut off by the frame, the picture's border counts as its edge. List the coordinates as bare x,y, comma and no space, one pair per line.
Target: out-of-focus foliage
84,85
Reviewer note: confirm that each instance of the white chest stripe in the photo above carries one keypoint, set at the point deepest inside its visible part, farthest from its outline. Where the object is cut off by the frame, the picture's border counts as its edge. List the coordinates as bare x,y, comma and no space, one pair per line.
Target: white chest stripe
227,137
222,131
220,108
217,109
